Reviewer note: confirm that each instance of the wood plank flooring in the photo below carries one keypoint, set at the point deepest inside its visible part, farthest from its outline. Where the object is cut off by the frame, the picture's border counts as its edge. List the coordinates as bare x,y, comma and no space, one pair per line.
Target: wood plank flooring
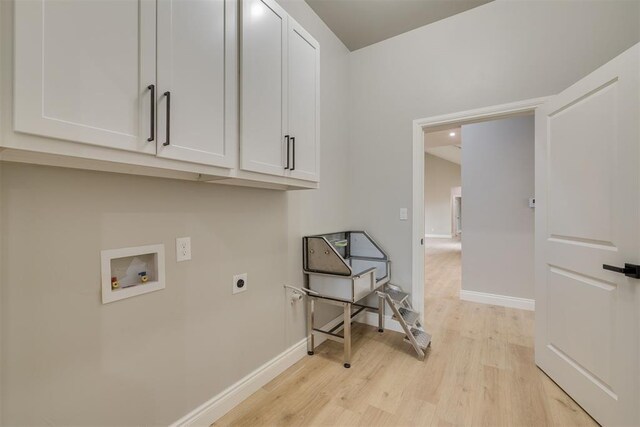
479,371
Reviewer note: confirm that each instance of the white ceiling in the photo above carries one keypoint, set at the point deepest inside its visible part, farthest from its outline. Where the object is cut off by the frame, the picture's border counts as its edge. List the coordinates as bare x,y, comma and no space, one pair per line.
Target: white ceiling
442,137
360,23
442,144
452,153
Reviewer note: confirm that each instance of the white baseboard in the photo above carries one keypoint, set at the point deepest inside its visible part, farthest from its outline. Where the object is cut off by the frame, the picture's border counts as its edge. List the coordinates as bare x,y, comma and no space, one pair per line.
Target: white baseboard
210,411
213,409
501,300
439,236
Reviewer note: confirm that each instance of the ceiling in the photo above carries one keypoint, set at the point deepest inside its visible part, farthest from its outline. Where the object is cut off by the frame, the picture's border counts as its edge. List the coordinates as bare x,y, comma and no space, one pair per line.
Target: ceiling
452,153
360,23
445,145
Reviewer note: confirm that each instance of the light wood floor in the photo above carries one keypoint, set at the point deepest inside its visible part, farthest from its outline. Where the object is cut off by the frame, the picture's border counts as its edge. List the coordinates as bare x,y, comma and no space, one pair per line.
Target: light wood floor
478,372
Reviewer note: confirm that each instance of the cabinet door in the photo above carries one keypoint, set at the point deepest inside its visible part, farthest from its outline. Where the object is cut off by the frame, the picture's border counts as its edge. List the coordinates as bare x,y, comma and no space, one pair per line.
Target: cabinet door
82,69
263,88
193,38
304,105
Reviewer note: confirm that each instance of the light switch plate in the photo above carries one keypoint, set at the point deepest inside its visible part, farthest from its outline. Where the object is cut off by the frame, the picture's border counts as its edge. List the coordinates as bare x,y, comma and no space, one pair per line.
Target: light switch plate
404,214
183,249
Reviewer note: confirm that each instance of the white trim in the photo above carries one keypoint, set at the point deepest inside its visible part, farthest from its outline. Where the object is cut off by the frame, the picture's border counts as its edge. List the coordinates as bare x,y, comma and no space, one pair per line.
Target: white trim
213,409
417,223
501,300
216,407
439,236
482,114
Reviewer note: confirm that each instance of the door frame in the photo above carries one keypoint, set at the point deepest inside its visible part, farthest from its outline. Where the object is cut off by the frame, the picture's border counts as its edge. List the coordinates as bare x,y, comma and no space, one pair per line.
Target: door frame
454,223
417,199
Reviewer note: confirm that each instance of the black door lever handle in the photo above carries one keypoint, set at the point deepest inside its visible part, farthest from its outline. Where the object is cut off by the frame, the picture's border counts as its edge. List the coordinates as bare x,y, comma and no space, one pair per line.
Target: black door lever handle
629,270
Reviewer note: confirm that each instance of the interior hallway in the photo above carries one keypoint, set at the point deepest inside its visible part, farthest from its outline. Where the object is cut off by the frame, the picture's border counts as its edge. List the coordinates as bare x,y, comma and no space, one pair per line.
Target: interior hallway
478,372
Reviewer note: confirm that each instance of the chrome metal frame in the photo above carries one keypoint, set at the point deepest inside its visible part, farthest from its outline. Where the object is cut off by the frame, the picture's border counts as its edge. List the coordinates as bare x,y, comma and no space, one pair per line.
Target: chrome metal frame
305,260
345,325
333,258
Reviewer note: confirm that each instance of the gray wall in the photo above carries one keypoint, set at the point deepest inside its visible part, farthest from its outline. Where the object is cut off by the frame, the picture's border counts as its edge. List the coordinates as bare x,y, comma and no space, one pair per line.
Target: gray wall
439,177
497,181
500,52
69,360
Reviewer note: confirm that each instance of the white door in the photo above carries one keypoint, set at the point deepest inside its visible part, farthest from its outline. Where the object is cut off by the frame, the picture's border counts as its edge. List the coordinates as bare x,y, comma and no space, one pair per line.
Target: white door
588,215
304,103
82,71
196,82
263,87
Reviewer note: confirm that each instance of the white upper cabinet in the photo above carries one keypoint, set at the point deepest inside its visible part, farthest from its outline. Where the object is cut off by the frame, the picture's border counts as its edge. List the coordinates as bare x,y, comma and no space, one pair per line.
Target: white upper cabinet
279,94
304,105
213,90
263,87
82,69
197,81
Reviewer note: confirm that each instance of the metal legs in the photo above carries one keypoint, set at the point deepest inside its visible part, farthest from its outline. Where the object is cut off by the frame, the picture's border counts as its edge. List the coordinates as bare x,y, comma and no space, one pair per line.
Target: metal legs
380,313
345,325
347,335
310,309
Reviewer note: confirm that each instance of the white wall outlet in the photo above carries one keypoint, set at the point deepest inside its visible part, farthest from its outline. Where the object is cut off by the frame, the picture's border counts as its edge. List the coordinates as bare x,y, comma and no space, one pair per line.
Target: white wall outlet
240,283
404,214
183,249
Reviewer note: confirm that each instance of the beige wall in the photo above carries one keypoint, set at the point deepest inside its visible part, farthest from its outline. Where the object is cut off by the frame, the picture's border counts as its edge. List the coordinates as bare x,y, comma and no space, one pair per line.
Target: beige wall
500,52
440,176
497,182
69,360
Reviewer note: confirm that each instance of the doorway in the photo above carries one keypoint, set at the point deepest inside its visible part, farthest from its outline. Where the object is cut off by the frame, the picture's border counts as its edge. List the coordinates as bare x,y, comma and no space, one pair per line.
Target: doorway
586,247
442,196
439,123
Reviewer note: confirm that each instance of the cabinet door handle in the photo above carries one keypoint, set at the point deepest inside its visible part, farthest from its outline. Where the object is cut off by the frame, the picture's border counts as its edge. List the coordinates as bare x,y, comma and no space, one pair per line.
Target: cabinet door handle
629,270
152,112
286,137
168,96
293,152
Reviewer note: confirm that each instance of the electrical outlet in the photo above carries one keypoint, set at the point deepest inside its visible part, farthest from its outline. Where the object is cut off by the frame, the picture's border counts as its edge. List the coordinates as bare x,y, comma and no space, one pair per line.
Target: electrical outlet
240,283
183,249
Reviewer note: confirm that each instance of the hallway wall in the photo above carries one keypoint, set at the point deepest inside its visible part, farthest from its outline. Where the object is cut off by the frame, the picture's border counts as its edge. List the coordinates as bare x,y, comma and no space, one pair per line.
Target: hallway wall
497,181
440,176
